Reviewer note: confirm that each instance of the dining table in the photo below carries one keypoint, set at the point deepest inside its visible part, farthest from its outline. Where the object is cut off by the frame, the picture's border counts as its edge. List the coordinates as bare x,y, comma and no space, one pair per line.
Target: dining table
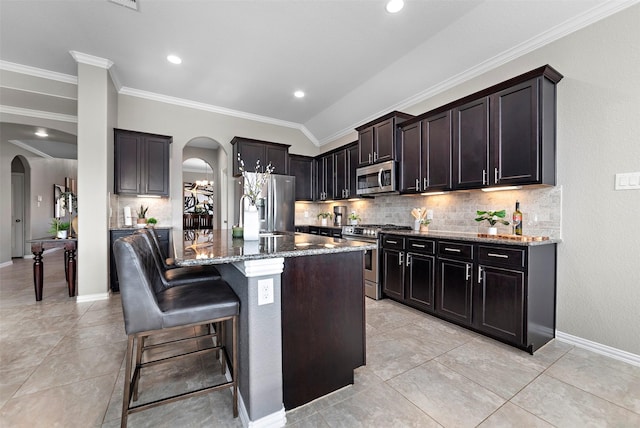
38,246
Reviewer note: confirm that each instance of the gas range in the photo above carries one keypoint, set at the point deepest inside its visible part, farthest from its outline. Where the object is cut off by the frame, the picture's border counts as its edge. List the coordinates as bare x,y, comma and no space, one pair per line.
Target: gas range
369,231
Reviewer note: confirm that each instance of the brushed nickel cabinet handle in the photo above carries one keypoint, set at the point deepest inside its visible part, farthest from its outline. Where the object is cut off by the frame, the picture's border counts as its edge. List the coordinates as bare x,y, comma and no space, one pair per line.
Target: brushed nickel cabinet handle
453,250
502,256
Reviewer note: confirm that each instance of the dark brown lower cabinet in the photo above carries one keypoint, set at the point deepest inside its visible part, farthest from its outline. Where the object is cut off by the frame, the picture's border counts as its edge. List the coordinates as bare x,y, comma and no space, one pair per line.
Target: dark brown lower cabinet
507,292
323,324
420,281
499,303
454,291
408,269
393,273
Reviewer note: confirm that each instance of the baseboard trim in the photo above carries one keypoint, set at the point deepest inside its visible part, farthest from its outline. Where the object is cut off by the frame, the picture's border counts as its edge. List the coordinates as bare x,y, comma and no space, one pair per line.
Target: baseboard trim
273,420
6,264
599,348
92,297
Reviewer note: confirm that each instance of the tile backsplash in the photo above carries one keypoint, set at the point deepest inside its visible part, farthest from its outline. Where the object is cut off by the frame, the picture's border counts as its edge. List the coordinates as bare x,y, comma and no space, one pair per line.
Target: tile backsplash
159,208
455,211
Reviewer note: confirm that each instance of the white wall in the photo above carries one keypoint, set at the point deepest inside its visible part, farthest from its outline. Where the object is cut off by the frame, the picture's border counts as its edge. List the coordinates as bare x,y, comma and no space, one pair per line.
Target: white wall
598,136
184,124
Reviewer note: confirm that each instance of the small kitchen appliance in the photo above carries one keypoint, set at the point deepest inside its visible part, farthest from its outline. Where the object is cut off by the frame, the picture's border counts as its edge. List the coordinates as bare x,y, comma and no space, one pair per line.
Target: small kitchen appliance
339,214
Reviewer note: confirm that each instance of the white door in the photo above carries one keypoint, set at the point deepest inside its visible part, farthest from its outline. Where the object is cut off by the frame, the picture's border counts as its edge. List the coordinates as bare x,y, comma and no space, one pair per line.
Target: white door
17,214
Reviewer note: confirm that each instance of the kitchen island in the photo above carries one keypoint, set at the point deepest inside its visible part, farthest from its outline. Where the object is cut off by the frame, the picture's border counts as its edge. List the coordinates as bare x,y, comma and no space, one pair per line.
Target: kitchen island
302,320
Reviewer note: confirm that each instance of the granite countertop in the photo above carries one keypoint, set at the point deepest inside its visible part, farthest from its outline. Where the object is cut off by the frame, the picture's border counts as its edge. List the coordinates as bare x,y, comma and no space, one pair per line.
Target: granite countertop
218,246
472,237
136,228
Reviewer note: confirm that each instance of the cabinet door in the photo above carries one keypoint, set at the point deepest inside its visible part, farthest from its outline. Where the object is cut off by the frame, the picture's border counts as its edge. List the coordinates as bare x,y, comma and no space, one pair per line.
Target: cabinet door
301,168
436,152
410,172
155,166
278,157
471,145
455,287
128,174
365,146
250,152
421,280
499,303
340,168
352,166
383,147
514,138
330,178
393,273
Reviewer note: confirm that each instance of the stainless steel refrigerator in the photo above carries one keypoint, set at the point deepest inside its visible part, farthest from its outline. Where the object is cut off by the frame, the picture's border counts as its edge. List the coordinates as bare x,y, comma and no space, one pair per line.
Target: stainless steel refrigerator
276,208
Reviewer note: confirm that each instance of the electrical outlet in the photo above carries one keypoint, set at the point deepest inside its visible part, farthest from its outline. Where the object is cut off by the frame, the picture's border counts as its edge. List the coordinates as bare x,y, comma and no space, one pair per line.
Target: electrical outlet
429,214
265,291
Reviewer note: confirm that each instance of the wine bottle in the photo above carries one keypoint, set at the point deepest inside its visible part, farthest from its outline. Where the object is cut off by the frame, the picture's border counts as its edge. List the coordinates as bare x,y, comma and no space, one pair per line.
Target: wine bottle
517,220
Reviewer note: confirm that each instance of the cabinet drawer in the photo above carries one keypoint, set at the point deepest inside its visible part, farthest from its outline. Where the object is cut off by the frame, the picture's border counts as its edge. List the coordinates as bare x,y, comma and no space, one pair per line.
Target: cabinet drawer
420,246
393,242
513,257
456,250
163,234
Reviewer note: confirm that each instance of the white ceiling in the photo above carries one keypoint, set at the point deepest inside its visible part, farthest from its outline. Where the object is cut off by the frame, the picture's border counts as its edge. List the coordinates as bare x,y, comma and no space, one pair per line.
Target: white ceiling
246,57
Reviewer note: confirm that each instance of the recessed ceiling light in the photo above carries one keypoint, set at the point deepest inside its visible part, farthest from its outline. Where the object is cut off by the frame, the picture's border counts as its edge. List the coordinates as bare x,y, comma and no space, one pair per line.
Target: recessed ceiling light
395,6
174,59
298,94
41,133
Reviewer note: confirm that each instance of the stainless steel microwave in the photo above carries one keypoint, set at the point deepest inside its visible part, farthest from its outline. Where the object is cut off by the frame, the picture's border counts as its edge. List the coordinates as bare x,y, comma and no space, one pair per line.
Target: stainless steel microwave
378,178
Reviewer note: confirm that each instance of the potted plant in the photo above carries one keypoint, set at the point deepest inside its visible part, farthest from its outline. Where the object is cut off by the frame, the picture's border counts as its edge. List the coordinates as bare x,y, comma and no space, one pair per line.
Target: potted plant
142,216
59,228
492,217
353,218
151,222
325,217
424,225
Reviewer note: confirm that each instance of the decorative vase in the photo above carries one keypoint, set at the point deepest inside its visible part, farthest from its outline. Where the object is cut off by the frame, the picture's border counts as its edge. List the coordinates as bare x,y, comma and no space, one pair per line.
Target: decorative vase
251,226
62,234
324,221
353,222
141,222
416,225
424,228
492,231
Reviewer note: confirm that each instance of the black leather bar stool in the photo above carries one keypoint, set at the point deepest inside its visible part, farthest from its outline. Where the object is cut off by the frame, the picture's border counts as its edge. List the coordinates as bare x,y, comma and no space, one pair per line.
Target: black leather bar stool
172,276
150,308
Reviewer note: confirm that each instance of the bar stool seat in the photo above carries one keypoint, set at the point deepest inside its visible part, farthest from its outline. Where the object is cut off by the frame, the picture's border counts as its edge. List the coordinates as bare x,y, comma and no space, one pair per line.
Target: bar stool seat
150,308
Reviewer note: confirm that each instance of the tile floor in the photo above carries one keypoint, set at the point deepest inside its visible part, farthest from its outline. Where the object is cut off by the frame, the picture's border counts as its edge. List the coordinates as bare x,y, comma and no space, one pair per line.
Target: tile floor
61,364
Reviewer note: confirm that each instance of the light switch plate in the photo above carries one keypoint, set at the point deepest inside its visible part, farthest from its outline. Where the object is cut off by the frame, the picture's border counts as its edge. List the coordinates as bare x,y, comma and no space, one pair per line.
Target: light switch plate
627,181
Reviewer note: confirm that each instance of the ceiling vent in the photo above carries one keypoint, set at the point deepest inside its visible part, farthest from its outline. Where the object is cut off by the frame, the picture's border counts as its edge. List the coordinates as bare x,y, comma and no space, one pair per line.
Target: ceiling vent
131,4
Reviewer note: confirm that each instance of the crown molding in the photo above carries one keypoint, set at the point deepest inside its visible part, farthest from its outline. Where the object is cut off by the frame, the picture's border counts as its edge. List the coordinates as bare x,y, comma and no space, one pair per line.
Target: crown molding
583,20
216,109
38,114
30,149
38,72
96,61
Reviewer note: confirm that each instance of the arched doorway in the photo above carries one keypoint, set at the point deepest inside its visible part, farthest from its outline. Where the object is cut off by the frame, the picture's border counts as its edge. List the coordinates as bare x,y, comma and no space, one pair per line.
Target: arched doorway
19,194
206,160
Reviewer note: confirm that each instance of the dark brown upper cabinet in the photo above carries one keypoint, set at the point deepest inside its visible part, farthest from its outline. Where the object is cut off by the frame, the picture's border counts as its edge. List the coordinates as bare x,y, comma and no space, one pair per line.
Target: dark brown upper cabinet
303,169
377,139
325,177
141,163
471,144
425,154
345,165
266,152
